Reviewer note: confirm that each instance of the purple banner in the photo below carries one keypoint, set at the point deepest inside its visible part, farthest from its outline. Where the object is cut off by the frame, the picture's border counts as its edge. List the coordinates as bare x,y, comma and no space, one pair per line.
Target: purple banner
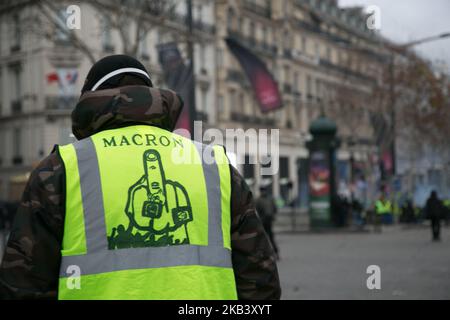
261,80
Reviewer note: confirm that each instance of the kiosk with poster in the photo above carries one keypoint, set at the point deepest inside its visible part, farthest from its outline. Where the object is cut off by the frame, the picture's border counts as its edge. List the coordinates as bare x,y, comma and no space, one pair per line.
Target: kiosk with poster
321,179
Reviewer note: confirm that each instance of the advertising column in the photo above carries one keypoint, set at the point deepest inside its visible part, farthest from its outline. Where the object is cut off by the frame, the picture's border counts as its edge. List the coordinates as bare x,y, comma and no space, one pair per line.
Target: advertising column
321,171
319,186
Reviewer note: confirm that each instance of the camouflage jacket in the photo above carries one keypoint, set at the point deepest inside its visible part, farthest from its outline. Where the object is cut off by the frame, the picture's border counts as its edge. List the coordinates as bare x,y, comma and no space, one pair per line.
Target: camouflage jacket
30,266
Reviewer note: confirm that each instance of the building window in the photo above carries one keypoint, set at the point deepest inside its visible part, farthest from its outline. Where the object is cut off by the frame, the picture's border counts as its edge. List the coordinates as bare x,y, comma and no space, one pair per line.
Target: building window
17,143
232,99
328,53
230,18
279,117
240,23
296,82
16,32
106,34
200,13
242,102
308,86
16,85
286,8
2,147
286,74
143,48
204,103
219,57
252,31
318,88
220,105
264,35
286,40
317,50
304,44
202,56
1,91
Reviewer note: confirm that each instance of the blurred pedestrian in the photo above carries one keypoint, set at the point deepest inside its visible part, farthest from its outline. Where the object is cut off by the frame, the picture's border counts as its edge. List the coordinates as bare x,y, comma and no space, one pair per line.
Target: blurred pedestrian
434,211
341,210
408,213
383,208
267,209
357,209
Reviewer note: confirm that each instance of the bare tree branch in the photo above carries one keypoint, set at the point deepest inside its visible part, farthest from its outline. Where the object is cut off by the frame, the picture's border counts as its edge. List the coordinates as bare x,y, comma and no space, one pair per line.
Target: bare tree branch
52,13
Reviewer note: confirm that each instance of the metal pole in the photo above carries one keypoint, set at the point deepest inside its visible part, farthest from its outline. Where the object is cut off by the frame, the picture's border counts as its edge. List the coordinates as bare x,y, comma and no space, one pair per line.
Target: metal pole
393,113
190,49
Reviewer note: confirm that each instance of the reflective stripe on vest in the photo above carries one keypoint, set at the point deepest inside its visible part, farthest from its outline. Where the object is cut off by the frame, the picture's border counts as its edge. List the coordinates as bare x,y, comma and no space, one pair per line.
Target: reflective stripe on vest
98,259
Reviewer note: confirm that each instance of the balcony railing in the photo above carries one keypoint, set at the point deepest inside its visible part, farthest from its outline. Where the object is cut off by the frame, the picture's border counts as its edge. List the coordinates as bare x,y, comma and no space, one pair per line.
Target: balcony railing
316,29
15,48
16,107
287,88
201,116
235,116
253,44
16,160
236,76
60,103
198,25
287,53
249,119
271,49
344,70
264,11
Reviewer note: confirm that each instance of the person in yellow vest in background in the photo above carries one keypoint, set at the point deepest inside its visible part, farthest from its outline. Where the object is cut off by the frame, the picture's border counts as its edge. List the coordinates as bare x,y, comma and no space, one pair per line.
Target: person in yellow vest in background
447,211
383,208
133,210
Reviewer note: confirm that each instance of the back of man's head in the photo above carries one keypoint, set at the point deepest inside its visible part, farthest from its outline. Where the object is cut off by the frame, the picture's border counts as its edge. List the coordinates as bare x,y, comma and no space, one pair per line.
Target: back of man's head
116,71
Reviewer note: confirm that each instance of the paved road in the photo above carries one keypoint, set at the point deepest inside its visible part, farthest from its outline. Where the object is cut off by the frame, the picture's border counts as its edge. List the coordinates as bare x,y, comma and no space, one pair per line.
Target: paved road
333,265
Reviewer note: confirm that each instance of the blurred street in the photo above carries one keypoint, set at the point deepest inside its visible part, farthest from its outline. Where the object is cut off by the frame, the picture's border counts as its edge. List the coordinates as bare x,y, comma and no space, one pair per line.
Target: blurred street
333,265
333,115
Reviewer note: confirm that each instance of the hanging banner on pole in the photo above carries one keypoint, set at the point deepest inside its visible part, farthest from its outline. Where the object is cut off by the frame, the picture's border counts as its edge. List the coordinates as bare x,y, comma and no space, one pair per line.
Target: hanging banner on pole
263,83
178,77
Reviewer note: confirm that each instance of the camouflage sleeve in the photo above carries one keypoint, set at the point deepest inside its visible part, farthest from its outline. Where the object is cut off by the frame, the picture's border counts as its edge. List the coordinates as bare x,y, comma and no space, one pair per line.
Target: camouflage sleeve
254,261
30,266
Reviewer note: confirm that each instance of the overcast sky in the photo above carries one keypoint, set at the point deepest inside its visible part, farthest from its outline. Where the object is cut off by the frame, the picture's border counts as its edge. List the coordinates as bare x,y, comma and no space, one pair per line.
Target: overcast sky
407,20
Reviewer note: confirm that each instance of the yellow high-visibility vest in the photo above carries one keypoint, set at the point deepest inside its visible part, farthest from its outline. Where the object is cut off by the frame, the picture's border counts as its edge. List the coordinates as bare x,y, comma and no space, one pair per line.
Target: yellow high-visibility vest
383,207
147,217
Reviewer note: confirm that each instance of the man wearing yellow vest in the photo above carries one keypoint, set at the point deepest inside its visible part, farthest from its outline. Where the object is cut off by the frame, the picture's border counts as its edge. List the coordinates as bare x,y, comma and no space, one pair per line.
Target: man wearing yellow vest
134,211
383,207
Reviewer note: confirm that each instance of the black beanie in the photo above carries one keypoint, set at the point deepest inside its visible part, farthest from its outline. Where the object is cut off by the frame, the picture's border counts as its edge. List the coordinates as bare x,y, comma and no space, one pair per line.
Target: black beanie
108,72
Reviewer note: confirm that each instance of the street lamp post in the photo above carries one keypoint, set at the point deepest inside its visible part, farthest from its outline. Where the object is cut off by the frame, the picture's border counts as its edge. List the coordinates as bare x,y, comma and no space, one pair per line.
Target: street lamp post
191,57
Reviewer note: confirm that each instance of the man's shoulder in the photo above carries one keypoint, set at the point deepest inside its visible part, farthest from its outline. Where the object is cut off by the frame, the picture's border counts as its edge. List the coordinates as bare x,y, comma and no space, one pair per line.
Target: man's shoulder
47,176
51,163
